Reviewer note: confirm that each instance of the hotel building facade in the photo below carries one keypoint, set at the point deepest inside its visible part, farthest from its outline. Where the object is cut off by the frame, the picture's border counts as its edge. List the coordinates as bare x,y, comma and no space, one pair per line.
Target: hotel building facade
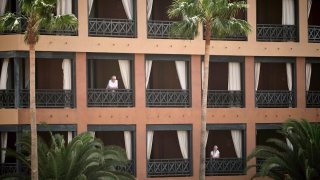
256,82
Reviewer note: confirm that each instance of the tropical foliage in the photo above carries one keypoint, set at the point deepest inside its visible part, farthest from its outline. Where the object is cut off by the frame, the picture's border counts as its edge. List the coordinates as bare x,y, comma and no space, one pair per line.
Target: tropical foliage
219,19
85,157
296,158
36,14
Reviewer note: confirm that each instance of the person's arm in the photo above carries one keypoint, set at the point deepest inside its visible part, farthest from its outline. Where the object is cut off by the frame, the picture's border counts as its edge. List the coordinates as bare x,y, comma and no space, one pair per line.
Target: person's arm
218,154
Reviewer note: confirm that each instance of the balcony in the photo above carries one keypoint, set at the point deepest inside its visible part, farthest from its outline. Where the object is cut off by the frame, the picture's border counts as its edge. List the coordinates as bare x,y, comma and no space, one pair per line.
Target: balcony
224,166
11,168
111,27
314,33
277,33
160,29
49,98
110,98
274,98
7,98
313,99
225,99
168,167
168,98
129,168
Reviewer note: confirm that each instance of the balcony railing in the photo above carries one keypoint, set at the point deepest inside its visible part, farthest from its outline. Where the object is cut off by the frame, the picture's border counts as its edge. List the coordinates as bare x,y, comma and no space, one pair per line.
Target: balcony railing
12,168
7,98
168,98
314,33
313,99
275,32
223,99
56,98
168,167
224,166
236,37
129,168
111,27
260,161
275,98
161,30
110,98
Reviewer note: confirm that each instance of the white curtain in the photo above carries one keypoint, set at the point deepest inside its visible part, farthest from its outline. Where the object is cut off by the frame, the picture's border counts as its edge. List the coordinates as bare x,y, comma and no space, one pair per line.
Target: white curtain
202,73
149,143
308,75
64,7
93,133
4,140
181,70
69,136
206,137
90,3
4,74
148,71
128,8
234,78
257,66
289,76
183,142
288,12
3,4
125,72
237,142
149,8
66,67
309,7
128,144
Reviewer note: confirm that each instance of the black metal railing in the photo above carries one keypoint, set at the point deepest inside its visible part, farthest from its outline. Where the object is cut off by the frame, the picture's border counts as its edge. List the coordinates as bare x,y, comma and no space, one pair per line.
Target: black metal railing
224,98
235,37
13,168
260,161
168,167
313,99
224,166
129,168
275,98
110,98
168,98
161,30
66,31
275,32
111,27
7,98
56,98
314,33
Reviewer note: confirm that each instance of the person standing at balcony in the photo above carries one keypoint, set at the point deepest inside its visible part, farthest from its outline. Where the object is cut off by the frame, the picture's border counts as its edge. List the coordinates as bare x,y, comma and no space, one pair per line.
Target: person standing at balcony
113,83
215,152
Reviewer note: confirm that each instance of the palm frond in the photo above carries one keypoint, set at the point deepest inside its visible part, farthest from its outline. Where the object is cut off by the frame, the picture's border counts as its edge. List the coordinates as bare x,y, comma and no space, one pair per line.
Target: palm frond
9,22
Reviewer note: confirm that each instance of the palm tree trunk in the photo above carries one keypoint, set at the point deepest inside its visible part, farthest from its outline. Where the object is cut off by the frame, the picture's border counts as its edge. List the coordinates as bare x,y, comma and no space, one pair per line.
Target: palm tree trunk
202,172
33,123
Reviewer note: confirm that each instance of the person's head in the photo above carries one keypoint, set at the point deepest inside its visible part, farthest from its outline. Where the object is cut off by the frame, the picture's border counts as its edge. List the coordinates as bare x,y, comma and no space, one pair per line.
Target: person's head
113,78
215,147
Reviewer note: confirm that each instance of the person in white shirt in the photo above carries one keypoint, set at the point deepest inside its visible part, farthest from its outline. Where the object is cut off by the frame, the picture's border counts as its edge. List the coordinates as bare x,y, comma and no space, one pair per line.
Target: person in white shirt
215,152
113,83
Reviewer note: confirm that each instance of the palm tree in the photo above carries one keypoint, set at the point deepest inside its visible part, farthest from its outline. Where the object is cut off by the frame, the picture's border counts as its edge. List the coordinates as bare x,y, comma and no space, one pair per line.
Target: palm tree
218,18
296,158
85,157
38,14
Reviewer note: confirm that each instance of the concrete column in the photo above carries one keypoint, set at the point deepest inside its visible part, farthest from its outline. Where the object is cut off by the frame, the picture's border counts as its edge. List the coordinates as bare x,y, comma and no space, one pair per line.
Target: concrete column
252,19
139,79
141,19
81,91
141,149
301,82
83,18
195,75
251,144
303,21
249,82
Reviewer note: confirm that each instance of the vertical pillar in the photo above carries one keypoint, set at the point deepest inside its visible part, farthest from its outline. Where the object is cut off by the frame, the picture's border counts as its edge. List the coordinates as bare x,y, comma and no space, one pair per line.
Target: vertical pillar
302,25
16,82
141,149
81,91
141,19
249,82
301,82
83,18
196,81
139,76
251,144
252,19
